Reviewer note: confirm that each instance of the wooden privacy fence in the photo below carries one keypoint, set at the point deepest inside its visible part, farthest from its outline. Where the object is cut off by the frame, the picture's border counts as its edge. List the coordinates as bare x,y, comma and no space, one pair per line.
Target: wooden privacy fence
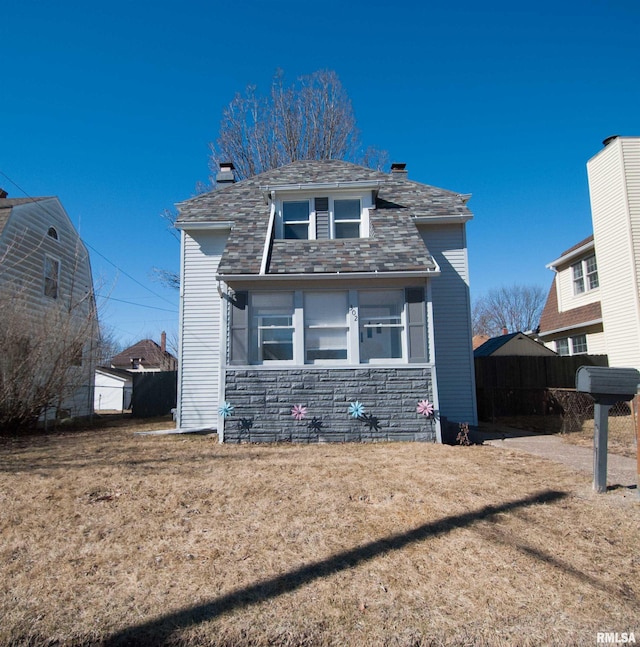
154,394
513,386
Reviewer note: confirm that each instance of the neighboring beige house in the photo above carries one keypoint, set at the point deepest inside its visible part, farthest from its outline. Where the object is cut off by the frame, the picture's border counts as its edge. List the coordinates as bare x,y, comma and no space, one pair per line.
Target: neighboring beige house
614,186
594,302
571,322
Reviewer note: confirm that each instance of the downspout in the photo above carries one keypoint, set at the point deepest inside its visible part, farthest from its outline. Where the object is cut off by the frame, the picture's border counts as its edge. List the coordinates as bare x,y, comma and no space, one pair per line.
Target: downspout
266,251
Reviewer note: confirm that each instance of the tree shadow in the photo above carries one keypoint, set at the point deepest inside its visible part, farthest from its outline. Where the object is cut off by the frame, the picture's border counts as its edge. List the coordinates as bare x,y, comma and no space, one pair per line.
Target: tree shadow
158,630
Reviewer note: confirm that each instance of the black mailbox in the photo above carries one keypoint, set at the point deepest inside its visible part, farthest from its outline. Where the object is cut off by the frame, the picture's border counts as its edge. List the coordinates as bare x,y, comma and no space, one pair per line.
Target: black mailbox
606,382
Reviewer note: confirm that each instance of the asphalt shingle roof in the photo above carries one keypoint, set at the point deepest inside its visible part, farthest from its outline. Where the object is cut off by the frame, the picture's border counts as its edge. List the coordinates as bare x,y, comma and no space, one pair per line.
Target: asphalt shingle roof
394,243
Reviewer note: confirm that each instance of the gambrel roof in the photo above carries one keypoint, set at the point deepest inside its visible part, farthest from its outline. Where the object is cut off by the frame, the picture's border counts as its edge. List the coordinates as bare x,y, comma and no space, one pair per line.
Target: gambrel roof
394,243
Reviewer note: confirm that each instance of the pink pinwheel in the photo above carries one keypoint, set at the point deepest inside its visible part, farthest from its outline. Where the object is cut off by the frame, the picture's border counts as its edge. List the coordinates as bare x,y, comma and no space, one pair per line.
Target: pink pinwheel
424,408
299,412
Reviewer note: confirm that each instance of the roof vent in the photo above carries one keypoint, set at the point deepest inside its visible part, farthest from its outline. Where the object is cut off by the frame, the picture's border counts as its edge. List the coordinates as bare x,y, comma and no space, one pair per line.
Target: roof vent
399,169
226,175
609,139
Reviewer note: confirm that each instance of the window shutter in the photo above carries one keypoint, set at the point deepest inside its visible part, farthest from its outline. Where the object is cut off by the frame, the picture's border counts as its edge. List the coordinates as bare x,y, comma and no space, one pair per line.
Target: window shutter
322,218
240,329
416,325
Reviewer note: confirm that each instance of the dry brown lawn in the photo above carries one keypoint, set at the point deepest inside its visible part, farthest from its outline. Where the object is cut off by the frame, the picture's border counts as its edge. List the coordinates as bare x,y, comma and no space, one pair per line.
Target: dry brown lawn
107,538
621,435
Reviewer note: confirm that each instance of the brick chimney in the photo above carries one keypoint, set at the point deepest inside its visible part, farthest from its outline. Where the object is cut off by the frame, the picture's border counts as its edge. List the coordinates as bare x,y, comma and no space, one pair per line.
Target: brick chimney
163,341
399,170
505,331
3,193
226,175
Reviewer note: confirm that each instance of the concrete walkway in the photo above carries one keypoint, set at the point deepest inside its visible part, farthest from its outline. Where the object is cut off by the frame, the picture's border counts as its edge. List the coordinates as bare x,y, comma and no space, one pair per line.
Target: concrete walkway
620,469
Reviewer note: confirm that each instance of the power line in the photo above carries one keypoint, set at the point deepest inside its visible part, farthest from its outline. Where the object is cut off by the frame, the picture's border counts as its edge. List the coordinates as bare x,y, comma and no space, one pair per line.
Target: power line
132,303
142,285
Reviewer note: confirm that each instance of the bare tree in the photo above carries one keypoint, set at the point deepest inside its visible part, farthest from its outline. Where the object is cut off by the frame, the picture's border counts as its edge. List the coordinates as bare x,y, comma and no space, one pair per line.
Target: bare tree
515,307
42,358
310,119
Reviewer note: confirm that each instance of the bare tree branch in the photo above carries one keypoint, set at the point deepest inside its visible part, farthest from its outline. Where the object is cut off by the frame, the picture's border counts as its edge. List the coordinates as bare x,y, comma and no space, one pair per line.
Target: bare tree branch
516,308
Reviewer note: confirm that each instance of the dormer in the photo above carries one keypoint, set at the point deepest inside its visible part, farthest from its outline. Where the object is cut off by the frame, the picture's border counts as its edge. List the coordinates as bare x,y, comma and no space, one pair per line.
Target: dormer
323,211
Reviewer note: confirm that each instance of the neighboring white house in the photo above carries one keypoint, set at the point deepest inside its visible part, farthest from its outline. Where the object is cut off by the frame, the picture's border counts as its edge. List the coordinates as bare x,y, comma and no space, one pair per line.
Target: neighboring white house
327,290
594,302
113,389
44,267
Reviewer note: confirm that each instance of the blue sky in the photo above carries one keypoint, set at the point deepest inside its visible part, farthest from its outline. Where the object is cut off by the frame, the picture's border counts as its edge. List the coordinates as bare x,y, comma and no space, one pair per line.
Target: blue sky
111,107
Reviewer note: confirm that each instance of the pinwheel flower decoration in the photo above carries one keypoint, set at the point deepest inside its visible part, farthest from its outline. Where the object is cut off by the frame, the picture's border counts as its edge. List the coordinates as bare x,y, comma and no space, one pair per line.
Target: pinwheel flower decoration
425,408
226,409
356,409
299,412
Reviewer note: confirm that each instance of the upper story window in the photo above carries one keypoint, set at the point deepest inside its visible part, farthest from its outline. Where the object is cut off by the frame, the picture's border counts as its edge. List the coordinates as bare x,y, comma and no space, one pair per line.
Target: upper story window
52,233
295,219
51,277
585,275
322,217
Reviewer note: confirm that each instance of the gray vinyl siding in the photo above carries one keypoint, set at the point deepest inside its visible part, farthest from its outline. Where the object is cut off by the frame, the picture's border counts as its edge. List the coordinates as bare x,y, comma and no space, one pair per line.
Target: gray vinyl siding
200,339
452,322
24,244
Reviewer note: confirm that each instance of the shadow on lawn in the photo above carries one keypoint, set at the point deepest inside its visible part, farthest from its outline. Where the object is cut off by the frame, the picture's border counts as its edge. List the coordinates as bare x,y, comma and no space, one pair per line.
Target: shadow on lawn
158,630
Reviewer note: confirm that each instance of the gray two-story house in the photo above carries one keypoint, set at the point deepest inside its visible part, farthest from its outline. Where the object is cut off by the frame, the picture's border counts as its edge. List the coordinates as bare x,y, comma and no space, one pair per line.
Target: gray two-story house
324,301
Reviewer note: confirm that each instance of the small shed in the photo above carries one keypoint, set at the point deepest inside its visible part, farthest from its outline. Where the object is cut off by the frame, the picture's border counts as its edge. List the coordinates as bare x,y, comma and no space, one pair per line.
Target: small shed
113,389
512,344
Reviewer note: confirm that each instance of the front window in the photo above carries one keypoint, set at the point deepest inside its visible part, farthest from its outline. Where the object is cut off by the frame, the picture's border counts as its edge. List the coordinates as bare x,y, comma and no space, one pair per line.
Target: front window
329,326
272,326
346,218
51,277
381,327
295,218
326,326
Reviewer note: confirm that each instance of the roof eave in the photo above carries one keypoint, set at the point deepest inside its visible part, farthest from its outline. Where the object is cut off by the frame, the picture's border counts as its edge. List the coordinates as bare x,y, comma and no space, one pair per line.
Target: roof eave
442,220
329,275
226,224
566,258
586,324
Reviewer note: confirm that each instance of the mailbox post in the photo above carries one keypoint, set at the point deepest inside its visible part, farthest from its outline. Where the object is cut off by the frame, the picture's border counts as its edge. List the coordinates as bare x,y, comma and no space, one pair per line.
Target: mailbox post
606,385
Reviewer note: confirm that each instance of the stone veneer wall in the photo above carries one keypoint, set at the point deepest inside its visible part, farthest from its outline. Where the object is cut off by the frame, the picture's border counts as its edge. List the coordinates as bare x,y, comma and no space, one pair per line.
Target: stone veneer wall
265,398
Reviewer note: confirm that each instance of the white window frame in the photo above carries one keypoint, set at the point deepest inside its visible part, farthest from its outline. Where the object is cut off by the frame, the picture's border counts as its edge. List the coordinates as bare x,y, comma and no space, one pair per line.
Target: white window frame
404,359
366,203
309,222
300,326
582,277
255,353
333,220
574,341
